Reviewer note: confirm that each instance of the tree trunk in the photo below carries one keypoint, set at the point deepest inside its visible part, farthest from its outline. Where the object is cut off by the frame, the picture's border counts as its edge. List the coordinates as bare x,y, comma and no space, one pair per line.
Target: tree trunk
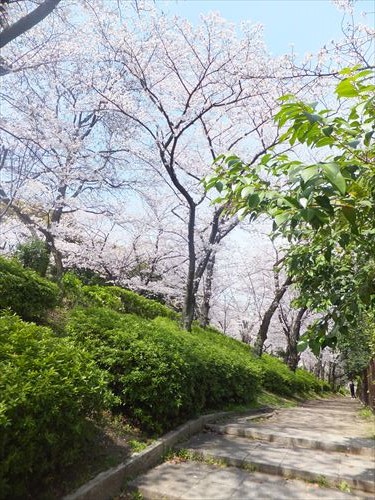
318,369
56,254
190,290
263,329
207,292
292,355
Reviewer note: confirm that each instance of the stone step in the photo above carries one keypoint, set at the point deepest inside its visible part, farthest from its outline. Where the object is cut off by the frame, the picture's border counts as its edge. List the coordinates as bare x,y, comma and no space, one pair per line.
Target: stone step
296,437
300,463
199,481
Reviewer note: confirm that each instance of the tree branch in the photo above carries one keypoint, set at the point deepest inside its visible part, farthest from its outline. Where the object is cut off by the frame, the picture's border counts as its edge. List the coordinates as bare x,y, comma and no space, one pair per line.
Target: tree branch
27,22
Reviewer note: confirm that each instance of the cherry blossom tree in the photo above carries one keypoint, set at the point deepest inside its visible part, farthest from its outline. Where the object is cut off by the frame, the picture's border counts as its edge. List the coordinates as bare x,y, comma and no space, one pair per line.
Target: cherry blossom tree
31,34
141,251
99,100
193,92
55,142
196,92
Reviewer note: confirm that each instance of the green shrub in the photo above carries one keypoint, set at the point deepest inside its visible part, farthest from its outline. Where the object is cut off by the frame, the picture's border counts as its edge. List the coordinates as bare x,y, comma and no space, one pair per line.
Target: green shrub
279,379
48,387
276,376
161,374
87,276
112,297
34,255
24,291
307,382
126,301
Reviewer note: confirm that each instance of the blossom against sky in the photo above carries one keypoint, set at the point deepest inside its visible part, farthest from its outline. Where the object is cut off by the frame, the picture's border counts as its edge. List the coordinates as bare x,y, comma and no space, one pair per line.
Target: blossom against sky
305,24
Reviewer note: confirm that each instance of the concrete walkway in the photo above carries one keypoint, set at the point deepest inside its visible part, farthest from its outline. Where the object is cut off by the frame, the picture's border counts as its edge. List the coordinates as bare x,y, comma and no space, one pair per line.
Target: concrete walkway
321,449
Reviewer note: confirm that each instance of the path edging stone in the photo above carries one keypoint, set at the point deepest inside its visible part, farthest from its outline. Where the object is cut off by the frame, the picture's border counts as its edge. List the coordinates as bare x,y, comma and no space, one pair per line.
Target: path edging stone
110,482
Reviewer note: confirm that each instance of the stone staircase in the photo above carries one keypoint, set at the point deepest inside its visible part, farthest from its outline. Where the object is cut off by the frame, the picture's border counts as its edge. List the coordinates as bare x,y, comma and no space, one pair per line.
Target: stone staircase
321,449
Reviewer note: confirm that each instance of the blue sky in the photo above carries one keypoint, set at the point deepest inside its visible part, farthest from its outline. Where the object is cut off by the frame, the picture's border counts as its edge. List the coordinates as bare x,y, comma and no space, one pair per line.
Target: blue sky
307,24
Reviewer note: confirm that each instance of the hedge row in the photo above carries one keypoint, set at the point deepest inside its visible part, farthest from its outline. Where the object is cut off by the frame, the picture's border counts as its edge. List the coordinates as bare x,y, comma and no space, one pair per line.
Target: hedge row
141,362
279,379
161,374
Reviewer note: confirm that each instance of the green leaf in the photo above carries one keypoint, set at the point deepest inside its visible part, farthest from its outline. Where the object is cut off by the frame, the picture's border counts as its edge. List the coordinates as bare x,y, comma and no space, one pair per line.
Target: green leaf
219,158
350,214
323,201
266,158
353,144
292,202
246,191
327,131
308,172
253,200
286,97
219,186
313,117
324,141
315,346
329,341
368,136
302,345
344,240
346,89
347,71
308,214
280,218
333,174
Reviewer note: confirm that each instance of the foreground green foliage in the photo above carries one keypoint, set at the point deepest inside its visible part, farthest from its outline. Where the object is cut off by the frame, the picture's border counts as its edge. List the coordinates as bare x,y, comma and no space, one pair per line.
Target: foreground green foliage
48,389
24,291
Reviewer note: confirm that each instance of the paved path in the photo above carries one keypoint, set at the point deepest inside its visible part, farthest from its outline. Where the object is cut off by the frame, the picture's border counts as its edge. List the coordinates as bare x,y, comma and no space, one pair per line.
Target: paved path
321,449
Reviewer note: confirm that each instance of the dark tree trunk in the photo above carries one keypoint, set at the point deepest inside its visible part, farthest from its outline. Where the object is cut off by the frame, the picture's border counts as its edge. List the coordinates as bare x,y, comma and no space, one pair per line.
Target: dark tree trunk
49,238
263,329
319,369
292,355
196,269
207,292
56,254
190,290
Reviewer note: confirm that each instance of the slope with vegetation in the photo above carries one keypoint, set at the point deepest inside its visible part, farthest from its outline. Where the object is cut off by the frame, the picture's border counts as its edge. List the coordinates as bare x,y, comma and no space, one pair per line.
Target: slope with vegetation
108,349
